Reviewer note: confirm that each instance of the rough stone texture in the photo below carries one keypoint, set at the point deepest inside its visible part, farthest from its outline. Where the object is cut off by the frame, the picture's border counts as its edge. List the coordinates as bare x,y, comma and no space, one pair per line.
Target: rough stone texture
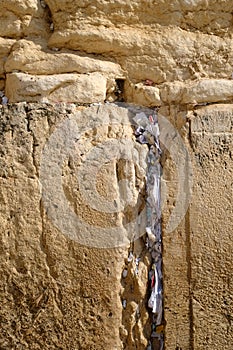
82,88
198,283
16,16
143,95
197,14
182,44
176,55
211,227
56,293
198,91
35,58
5,47
23,18
176,246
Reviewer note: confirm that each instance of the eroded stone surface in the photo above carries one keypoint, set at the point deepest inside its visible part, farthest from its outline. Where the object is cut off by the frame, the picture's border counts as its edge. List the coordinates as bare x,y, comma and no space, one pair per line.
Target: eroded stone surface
143,95
190,15
56,88
58,293
166,43
5,48
36,58
160,54
174,55
22,18
55,292
210,227
197,91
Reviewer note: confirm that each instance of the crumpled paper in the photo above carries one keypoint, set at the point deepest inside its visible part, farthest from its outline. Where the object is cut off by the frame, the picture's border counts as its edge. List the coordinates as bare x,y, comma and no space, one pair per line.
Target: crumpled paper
147,132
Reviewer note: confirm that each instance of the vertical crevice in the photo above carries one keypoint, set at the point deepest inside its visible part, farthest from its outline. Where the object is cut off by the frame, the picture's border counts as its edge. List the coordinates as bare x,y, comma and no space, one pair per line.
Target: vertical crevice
148,133
120,83
189,276
35,144
189,253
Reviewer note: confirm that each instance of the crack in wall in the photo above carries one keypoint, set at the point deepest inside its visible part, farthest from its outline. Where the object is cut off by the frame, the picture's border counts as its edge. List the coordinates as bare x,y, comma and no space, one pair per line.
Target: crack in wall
189,277
148,133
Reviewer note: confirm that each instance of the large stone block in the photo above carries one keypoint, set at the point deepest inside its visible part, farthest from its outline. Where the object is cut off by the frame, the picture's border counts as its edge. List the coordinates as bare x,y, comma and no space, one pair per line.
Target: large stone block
198,91
5,47
61,289
191,15
160,54
35,58
211,227
57,293
16,16
81,88
143,95
175,43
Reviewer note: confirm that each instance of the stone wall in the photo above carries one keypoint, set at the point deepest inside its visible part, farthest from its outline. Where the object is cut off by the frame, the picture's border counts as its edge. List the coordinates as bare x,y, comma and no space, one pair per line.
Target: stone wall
56,59
82,51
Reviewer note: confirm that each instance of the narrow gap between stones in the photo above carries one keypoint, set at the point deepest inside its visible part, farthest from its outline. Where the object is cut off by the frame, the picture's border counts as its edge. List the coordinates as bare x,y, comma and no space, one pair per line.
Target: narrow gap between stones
147,132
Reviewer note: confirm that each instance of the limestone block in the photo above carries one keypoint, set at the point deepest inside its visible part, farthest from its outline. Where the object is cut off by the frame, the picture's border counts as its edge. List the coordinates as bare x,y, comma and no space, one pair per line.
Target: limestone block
211,227
16,15
208,91
197,285
34,58
5,47
223,115
20,6
196,15
161,55
10,25
175,246
143,95
172,93
176,284
82,88
69,291
161,41
197,91
57,292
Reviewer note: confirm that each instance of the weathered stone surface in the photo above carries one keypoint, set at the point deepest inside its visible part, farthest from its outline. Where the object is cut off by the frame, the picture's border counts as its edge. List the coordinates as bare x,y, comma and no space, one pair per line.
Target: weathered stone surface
27,56
197,91
5,47
160,54
193,15
81,88
211,226
59,293
176,43
176,259
197,285
56,293
208,91
176,278
21,17
143,95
